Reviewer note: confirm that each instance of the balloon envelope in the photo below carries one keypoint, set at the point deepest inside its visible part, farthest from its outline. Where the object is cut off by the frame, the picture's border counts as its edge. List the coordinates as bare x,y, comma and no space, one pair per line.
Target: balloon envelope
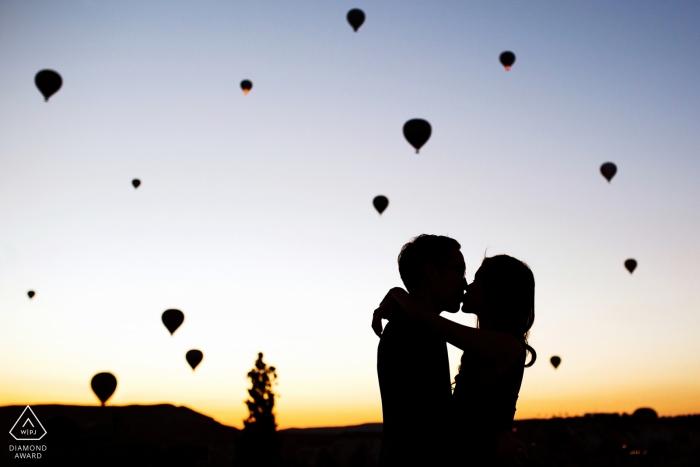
246,86
631,265
555,361
507,59
48,82
417,132
172,319
31,294
380,203
608,170
136,182
356,17
103,385
194,357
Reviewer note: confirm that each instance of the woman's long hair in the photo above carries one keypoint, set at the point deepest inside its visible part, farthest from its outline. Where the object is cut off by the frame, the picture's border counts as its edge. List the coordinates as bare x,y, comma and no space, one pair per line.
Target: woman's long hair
509,290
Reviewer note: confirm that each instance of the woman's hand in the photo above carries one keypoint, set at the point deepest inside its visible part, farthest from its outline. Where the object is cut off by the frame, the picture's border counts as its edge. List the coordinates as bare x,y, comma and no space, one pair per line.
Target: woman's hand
385,311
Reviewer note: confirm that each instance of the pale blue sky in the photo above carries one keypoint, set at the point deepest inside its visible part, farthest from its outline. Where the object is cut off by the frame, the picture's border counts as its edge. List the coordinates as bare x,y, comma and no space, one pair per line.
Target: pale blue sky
255,218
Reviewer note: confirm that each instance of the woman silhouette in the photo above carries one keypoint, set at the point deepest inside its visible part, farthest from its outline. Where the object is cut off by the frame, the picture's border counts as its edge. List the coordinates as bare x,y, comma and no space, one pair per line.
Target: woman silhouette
502,296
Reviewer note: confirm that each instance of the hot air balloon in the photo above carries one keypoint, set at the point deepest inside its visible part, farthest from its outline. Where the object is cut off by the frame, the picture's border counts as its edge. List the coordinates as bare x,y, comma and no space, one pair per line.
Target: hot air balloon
172,319
417,132
631,265
136,182
507,59
48,82
246,86
356,18
380,203
608,170
103,385
555,361
31,294
194,357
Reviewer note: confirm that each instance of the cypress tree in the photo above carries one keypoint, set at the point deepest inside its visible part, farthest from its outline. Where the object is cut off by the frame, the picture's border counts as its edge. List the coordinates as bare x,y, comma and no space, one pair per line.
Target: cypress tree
259,444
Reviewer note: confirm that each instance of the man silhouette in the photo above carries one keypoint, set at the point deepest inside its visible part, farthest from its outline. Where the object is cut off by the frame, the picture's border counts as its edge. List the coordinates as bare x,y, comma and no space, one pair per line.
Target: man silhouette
412,362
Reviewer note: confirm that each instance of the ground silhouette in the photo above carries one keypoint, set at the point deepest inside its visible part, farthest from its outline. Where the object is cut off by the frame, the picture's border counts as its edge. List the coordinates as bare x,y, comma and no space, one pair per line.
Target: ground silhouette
153,435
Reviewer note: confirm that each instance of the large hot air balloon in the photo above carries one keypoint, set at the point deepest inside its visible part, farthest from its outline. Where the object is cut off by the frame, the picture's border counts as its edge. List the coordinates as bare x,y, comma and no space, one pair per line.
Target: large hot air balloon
48,82
507,59
103,385
172,319
31,294
555,361
246,86
194,357
136,182
380,203
417,132
356,17
631,265
608,170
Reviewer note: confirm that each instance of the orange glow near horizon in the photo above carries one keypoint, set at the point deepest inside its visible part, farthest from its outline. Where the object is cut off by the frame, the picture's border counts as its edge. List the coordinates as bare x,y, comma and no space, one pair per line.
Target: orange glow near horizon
665,401
308,417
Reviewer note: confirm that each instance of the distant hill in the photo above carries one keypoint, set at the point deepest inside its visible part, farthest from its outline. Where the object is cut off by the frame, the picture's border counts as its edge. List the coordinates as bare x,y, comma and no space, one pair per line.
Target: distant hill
154,434
337,430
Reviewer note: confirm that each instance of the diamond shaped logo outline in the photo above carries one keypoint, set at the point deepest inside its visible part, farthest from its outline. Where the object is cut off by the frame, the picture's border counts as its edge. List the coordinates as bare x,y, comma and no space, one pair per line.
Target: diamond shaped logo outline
35,418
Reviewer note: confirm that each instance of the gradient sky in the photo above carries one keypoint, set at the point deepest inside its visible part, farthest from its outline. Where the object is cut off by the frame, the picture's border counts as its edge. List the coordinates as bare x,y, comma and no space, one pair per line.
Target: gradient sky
255,212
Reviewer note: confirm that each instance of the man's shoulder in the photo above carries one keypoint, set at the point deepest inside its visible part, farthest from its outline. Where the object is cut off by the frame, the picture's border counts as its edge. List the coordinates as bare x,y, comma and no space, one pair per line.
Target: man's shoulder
406,332
397,329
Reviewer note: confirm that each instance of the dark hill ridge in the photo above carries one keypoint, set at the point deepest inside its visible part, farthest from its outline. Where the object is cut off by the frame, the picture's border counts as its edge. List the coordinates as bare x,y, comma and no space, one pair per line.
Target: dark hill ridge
148,435
337,430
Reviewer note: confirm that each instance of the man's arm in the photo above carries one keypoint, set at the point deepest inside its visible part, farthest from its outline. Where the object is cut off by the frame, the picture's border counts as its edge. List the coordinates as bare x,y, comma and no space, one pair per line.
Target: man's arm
499,349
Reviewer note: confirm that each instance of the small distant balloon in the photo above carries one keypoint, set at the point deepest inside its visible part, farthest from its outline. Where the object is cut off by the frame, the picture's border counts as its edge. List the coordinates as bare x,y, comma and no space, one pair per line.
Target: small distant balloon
380,203
136,182
608,170
555,361
417,132
246,86
31,294
194,357
356,17
172,319
103,385
48,82
507,59
631,265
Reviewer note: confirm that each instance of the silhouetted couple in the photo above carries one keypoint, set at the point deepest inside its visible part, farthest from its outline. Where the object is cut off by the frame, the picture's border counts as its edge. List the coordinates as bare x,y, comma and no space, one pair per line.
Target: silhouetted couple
425,423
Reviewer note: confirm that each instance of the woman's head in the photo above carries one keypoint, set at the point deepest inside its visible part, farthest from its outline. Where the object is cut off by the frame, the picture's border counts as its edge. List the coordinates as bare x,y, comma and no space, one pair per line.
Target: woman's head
503,297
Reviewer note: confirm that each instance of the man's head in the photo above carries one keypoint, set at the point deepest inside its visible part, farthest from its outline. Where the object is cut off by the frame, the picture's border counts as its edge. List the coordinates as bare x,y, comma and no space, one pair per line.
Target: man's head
432,266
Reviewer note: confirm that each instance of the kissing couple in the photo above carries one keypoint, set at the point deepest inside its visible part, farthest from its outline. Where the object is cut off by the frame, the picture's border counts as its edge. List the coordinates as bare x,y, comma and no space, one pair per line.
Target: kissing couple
425,422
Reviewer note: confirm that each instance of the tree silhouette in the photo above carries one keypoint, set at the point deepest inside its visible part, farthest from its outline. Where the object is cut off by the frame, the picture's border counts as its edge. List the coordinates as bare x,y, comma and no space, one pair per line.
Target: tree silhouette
259,444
